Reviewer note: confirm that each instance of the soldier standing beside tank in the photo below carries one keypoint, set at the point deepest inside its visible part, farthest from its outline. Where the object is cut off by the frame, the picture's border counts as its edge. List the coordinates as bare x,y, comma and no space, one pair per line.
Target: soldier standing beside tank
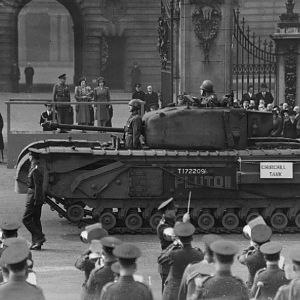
180,258
35,201
61,93
208,96
133,127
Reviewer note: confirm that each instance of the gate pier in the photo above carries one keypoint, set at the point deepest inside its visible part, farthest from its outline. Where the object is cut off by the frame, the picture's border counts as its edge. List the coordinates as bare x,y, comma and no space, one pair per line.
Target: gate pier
287,39
205,44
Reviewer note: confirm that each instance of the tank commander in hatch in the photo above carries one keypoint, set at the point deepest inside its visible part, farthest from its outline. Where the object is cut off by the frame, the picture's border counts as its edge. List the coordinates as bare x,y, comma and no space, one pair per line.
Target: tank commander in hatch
208,98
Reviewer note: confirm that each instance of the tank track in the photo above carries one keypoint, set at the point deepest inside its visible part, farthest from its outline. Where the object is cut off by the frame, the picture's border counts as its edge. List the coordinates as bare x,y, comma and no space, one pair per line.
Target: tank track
120,228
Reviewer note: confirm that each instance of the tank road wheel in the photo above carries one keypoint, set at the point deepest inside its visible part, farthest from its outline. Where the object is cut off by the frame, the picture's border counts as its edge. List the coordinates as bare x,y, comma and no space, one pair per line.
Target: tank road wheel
75,213
252,215
279,220
108,220
154,220
206,221
297,220
230,221
133,221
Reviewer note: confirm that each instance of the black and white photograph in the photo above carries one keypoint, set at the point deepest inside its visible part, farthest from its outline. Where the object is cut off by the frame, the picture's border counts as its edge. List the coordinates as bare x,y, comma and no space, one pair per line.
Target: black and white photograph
149,149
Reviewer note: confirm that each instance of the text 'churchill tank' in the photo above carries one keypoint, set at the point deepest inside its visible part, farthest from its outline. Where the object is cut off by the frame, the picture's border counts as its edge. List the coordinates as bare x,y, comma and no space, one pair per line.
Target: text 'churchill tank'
223,156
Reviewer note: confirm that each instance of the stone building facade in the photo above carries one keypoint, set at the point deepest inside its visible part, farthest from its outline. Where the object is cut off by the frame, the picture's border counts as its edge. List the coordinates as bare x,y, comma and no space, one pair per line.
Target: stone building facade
109,36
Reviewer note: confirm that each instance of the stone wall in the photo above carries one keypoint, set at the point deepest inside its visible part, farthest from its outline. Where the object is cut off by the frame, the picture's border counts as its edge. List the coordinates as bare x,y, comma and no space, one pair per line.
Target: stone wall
134,21
263,16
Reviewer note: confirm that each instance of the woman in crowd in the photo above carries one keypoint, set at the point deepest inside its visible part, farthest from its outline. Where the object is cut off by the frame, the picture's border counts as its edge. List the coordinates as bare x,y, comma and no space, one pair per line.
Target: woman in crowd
83,93
102,94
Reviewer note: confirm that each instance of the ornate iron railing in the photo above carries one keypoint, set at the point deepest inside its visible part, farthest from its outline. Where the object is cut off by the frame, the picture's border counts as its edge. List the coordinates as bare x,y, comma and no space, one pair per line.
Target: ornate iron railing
254,59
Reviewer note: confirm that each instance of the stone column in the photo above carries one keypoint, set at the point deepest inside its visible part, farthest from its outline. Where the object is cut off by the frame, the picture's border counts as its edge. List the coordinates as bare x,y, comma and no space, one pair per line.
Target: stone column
54,51
287,40
205,44
64,39
22,39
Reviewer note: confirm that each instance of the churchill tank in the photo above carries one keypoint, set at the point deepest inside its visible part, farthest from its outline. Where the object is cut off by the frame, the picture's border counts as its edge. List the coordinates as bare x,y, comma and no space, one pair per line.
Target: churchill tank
222,157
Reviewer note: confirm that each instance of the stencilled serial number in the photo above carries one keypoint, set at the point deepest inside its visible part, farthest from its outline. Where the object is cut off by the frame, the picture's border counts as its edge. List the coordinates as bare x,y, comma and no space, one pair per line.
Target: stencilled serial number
192,171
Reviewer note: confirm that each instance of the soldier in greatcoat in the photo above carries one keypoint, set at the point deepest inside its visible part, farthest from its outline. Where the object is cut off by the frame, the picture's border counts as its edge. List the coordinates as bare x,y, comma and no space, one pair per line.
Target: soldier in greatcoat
271,278
126,288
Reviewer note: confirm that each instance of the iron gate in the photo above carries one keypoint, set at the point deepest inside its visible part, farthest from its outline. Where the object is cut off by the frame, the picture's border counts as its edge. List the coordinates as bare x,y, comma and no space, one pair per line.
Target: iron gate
165,29
254,59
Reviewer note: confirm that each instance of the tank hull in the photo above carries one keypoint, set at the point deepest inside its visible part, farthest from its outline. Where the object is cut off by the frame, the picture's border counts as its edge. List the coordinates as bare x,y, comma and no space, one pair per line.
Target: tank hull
123,188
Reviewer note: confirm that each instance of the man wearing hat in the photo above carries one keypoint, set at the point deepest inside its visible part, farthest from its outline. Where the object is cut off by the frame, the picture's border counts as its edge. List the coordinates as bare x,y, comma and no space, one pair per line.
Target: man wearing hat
126,288
252,258
168,209
61,93
102,274
14,258
85,262
138,93
264,95
35,200
47,117
223,285
180,259
133,127
200,270
271,277
292,290
9,229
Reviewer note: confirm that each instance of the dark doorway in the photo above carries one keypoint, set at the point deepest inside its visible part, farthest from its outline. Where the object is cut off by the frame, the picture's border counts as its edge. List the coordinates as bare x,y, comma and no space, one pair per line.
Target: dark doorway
115,65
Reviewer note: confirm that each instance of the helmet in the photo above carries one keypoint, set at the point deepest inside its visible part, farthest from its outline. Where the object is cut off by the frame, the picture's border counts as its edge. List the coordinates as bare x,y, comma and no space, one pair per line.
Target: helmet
136,103
207,86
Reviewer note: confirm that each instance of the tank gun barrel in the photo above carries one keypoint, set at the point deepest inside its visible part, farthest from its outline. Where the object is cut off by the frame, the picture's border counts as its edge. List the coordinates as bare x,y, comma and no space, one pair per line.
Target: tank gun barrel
55,126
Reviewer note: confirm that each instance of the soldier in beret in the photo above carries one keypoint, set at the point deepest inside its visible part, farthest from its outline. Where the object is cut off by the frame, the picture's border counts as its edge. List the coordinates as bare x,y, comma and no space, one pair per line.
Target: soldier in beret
102,274
168,210
202,269
272,277
180,259
14,258
292,290
252,257
85,262
223,285
126,288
